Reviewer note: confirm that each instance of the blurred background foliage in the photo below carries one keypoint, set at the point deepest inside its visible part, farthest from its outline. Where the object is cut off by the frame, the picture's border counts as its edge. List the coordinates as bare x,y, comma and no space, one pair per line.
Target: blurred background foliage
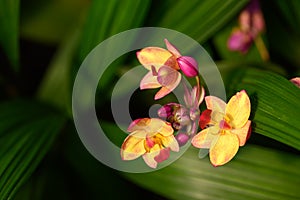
42,46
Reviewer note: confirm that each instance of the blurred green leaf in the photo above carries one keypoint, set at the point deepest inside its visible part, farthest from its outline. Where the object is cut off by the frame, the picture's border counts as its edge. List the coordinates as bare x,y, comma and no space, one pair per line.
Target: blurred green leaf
55,87
254,173
51,21
9,30
199,19
25,142
275,104
284,42
106,18
290,12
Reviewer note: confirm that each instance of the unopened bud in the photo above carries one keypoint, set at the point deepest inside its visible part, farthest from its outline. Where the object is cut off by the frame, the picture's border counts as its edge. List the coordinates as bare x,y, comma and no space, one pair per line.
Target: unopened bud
188,66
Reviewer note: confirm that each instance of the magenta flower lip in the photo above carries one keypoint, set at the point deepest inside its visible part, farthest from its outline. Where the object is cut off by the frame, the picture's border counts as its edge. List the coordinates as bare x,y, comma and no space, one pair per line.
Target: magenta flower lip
188,66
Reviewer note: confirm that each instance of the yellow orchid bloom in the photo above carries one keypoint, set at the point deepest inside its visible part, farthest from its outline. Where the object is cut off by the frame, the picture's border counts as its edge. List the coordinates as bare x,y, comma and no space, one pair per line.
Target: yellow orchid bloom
225,127
151,138
163,69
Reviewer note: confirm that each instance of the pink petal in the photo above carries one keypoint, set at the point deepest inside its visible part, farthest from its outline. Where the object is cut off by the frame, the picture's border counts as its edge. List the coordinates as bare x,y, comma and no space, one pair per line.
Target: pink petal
243,133
296,81
167,75
163,155
168,88
167,110
240,41
149,81
172,48
182,138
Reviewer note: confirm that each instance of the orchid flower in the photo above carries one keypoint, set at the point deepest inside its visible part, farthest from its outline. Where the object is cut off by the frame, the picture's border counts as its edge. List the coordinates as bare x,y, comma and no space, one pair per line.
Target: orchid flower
225,127
163,66
151,138
251,24
163,69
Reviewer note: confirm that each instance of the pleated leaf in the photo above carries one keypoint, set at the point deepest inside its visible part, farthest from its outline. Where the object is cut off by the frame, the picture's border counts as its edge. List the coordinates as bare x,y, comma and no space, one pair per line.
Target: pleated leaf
199,19
9,22
27,130
255,173
275,104
105,19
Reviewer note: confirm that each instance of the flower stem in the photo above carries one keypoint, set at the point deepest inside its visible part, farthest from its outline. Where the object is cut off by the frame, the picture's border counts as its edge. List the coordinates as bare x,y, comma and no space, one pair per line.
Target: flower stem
198,86
261,47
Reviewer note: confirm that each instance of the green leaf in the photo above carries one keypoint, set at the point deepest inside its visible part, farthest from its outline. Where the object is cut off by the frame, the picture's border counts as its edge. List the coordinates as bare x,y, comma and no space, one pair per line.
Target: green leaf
9,32
25,142
51,21
199,20
290,12
283,39
55,87
275,104
254,173
106,19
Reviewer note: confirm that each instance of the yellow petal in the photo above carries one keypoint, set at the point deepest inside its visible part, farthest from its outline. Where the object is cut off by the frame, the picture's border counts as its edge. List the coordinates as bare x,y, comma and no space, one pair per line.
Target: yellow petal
133,145
215,104
149,81
159,126
224,149
151,126
153,56
205,138
139,124
171,142
238,109
242,133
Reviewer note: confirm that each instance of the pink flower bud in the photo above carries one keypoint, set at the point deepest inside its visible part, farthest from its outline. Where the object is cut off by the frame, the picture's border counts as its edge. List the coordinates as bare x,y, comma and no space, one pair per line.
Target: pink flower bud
188,65
296,81
182,138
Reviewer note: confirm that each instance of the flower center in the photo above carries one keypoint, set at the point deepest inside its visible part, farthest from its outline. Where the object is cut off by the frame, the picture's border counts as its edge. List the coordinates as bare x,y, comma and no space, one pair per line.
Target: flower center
150,142
224,125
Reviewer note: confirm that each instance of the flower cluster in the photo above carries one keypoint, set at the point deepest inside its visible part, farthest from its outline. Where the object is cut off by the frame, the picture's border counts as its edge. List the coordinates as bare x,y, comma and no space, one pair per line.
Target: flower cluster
224,127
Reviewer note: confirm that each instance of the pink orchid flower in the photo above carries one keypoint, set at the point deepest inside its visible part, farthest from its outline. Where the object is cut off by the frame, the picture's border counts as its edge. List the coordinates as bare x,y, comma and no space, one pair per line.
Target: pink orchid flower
163,69
164,66
251,24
